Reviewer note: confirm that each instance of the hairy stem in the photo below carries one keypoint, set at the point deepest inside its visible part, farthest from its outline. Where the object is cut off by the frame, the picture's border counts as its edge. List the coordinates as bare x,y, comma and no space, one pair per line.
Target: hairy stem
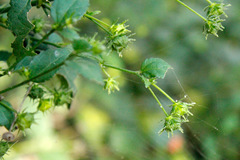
192,10
158,101
164,93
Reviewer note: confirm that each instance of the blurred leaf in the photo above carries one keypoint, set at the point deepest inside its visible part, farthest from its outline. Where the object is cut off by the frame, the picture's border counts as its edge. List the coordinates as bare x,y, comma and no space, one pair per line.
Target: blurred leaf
63,10
69,33
154,68
81,45
4,55
20,26
55,38
86,67
6,115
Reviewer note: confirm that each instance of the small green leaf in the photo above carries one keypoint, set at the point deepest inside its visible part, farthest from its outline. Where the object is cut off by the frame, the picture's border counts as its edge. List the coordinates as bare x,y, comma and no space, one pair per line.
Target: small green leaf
62,10
6,114
4,55
20,25
86,67
154,68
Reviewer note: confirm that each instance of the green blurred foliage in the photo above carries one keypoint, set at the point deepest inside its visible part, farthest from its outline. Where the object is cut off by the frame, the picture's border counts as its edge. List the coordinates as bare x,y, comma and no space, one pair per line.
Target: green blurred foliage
124,125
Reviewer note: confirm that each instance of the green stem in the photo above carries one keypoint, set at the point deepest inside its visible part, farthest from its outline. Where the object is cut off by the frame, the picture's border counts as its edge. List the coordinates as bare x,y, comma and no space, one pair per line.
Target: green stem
6,106
209,1
43,38
158,101
104,71
97,20
192,10
31,79
163,92
121,69
46,42
97,23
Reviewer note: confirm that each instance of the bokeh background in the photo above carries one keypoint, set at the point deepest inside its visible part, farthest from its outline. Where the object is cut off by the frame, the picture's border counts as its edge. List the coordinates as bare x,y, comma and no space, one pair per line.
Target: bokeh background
125,125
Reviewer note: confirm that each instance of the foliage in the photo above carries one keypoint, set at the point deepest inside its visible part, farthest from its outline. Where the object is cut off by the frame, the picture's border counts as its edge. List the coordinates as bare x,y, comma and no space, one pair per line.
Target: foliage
60,53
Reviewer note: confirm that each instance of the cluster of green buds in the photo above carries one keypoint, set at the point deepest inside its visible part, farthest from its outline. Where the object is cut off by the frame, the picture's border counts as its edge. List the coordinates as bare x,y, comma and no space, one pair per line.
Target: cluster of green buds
111,85
25,120
39,24
177,116
214,21
119,38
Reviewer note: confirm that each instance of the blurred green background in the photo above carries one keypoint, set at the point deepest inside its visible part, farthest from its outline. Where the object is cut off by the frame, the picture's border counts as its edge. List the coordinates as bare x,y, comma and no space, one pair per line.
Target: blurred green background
124,125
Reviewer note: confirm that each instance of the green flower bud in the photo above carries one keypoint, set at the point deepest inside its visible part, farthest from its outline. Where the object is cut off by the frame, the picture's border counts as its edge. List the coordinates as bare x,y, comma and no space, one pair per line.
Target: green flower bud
45,104
36,92
171,124
39,24
25,120
111,85
62,97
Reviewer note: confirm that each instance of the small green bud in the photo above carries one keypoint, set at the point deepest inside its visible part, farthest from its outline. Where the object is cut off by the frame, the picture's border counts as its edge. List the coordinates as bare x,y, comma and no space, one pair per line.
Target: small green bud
45,104
171,124
120,38
39,24
36,92
25,120
62,97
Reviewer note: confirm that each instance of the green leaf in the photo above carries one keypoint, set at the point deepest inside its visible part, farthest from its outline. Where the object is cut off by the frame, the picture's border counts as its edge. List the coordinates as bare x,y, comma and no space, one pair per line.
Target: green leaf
25,62
86,67
45,61
63,10
6,114
154,68
4,55
69,33
20,26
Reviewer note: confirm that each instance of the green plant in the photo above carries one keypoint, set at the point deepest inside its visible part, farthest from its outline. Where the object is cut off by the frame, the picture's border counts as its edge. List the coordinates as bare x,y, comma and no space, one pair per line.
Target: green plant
64,56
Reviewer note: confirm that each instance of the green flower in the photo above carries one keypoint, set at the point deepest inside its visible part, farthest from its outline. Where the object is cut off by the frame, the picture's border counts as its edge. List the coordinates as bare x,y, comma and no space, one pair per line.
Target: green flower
119,38
214,20
111,85
180,109
171,124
